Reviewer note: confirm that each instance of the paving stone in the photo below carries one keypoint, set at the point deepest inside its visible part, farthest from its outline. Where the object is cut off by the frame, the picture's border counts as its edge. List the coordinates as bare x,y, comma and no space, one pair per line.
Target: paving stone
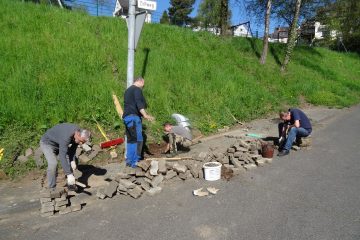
202,155
132,179
179,168
188,175
194,170
121,188
136,192
48,204
148,180
243,144
65,211
45,193
153,191
250,166
162,167
238,155
268,160
261,162
126,183
56,193
235,162
86,147
77,174
253,147
75,208
93,155
122,175
61,203
110,190
148,175
170,174
22,159
101,193
78,152
157,180
38,157
130,171
154,167
97,148
231,150
28,152
169,165
182,176
45,209
140,180
306,142
60,208
139,172
144,165
84,159
145,186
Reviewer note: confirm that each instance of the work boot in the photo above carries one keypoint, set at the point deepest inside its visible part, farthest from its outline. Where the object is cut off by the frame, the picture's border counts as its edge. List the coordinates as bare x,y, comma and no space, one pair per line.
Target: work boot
171,155
283,153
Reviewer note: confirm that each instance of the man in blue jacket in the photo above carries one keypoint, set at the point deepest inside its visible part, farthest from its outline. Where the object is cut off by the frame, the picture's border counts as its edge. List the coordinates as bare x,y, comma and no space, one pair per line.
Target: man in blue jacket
296,124
134,111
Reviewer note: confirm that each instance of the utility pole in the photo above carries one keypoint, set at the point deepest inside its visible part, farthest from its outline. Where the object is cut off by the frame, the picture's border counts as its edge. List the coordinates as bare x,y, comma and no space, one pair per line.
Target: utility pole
131,43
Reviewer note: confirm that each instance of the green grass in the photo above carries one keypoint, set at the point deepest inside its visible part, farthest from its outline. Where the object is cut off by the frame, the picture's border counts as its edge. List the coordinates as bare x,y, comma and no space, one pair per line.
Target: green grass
62,66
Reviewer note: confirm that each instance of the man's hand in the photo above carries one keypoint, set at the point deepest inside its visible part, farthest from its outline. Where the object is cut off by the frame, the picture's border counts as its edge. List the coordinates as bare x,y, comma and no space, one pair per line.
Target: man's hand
149,118
73,165
70,179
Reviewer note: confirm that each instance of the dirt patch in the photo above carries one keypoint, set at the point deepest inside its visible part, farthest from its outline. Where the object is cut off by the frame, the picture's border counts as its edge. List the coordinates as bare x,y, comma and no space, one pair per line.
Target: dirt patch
154,150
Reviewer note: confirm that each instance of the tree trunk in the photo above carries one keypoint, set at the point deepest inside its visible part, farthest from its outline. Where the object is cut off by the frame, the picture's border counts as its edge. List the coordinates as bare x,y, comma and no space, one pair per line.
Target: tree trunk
266,33
292,38
224,10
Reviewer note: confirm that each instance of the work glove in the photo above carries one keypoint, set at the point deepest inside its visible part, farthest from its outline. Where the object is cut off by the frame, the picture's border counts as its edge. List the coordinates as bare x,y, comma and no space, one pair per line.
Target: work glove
73,165
70,179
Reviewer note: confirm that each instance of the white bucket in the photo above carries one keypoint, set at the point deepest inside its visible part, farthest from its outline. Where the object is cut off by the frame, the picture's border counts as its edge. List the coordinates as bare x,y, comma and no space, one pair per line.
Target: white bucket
212,171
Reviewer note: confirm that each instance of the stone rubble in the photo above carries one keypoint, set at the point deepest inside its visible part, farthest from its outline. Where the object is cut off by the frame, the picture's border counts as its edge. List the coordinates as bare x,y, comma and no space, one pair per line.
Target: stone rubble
58,201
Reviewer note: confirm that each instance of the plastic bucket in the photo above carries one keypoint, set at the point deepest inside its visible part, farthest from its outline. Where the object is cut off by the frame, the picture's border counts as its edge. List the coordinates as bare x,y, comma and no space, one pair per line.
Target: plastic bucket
212,171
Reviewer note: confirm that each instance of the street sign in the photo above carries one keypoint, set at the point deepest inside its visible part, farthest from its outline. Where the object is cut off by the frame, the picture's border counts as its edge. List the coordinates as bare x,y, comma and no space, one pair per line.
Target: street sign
148,5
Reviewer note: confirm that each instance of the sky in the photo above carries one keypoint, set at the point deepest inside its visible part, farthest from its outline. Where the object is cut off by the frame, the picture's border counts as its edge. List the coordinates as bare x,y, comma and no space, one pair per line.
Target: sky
239,13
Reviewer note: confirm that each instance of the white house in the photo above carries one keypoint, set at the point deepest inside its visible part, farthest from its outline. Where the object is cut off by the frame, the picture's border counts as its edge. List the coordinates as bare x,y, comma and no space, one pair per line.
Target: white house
280,35
241,30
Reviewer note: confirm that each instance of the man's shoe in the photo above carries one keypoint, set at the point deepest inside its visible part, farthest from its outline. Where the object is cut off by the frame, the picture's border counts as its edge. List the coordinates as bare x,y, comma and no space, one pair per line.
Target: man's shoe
171,155
283,153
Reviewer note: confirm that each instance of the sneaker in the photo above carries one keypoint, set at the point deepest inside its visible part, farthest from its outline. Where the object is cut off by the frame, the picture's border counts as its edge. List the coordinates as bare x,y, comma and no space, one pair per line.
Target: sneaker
283,153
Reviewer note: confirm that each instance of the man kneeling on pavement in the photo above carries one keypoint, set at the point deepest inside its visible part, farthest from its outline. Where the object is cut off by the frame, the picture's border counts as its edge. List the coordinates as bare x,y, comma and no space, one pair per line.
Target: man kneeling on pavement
296,125
62,140
176,136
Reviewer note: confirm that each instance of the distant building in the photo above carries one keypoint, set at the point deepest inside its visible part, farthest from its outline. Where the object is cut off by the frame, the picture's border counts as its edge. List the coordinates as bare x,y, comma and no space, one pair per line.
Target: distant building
213,30
280,34
241,30
312,30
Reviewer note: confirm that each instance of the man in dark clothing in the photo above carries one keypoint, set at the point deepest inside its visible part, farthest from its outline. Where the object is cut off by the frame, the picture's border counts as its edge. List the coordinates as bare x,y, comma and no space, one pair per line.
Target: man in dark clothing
62,140
134,110
296,124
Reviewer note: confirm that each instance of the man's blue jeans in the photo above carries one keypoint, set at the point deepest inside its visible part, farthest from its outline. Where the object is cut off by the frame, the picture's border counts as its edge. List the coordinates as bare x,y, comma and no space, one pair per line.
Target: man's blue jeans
135,140
293,133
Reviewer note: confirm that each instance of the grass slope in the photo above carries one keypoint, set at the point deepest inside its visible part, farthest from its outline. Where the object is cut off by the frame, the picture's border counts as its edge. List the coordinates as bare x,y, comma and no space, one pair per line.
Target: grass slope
62,66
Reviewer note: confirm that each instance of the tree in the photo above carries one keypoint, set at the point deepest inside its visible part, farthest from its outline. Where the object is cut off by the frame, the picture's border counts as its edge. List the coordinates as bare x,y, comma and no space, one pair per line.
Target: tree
179,11
215,14
165,18
292,37
342,16
266,33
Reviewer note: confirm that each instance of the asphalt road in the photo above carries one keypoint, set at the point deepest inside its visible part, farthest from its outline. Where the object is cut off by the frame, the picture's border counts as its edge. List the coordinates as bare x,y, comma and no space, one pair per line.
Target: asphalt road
310,194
